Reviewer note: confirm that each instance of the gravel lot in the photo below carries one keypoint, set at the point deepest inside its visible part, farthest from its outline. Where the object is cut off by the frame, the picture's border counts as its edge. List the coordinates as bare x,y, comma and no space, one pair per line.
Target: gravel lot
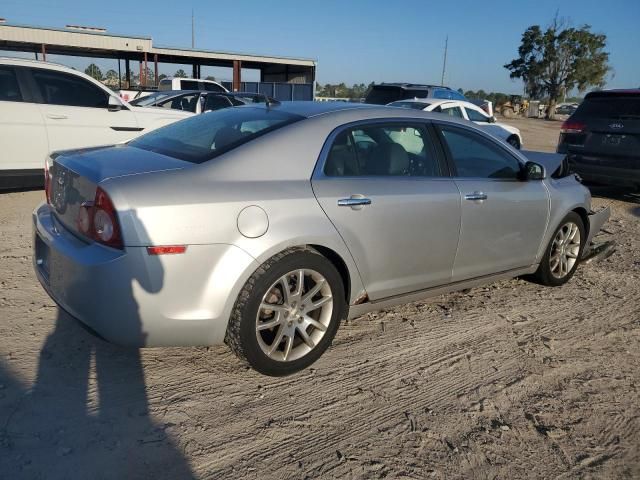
511,381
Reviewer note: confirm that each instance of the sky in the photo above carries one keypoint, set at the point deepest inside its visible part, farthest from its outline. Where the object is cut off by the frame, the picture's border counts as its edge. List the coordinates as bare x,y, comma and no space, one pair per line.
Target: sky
357,41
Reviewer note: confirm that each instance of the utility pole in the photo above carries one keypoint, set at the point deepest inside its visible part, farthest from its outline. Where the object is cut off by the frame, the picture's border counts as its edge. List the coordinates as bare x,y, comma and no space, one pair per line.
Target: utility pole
444,61
193,34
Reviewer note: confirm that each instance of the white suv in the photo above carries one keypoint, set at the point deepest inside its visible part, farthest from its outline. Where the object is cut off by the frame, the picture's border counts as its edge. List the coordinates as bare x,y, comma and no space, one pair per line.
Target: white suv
46,107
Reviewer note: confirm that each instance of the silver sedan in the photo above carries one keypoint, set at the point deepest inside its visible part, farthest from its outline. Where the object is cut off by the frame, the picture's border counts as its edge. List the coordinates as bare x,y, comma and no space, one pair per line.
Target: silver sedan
265,226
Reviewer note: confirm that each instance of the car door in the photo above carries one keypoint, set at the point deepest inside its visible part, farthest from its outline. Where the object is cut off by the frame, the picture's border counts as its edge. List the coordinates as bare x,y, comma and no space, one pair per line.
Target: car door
76,111
389,197
503,217
23,136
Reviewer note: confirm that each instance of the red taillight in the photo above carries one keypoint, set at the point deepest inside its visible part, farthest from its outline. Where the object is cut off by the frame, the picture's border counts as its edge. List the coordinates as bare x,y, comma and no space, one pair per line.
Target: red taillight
99,221
47,181
166,249
572,127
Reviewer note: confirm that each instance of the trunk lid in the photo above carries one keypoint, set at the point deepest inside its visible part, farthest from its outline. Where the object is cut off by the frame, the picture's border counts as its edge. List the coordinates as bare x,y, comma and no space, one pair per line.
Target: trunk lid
75,175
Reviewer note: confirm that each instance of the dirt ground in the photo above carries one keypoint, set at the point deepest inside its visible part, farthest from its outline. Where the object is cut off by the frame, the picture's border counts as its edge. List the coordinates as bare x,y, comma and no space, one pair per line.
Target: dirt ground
508,381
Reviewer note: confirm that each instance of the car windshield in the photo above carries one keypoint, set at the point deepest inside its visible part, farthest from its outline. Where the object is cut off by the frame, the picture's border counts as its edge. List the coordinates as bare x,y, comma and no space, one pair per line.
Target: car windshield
412,105
203,137
610,106
148,100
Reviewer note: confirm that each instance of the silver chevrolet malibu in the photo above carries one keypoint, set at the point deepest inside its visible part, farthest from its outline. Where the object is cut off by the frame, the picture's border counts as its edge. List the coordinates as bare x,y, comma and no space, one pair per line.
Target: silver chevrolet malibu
265,226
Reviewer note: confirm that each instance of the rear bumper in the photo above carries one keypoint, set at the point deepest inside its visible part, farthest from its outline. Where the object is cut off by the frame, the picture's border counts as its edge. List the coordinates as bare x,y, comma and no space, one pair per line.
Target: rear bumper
610,171
134,299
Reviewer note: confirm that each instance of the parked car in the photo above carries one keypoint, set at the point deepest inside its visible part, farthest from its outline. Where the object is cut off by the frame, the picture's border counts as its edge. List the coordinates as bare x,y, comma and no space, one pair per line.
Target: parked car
602,138
566,108
175,83
45,107
467,111
265,226
385,93
198,101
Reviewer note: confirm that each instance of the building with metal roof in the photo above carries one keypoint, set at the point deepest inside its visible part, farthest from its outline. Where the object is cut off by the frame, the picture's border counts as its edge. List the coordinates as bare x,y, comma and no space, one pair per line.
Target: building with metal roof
97,42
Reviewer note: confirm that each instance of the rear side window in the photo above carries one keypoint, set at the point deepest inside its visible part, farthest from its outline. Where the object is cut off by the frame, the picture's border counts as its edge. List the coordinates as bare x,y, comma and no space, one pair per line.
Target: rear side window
59,88
9,89
382,150
212,87
203,137
187,102
476,116
451,111
610,106
216,102
189,85
411,105
476,157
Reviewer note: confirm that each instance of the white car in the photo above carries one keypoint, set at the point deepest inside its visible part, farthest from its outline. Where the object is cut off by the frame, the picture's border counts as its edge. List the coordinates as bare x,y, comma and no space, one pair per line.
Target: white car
467,111
46,107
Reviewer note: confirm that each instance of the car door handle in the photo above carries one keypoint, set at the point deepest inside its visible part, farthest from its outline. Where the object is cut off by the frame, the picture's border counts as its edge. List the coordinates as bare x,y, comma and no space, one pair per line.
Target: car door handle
353,202
54,116
476,196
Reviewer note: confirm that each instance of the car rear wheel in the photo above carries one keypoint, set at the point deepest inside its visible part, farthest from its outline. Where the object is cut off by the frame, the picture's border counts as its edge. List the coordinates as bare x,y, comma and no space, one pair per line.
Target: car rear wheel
563,253
287,313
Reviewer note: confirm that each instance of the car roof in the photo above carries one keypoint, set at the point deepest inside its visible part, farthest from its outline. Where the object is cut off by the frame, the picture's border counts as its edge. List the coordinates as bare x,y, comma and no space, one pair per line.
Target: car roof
411,86
35,63
613,92
357,111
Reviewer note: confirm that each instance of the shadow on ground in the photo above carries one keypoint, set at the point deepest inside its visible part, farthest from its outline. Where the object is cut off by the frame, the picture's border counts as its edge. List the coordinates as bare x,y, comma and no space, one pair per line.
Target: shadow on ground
616,193
87,415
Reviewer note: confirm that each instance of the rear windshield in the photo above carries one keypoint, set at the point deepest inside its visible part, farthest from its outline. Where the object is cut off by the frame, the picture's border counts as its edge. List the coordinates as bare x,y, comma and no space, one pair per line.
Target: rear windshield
610,106
411,105
203,137
382,95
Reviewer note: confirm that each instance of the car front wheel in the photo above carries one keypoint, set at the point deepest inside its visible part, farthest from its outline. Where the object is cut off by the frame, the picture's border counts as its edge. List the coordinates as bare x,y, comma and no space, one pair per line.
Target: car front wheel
563,253
287,313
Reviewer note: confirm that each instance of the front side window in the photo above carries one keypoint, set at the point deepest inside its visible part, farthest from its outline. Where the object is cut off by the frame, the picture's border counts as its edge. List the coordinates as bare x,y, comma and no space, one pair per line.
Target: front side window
58,88
203,137
9,89
476,157
476,116
382,150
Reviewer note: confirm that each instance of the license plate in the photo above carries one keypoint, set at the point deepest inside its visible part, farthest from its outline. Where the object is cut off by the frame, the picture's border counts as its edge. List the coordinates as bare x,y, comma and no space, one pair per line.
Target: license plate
612,139
42,256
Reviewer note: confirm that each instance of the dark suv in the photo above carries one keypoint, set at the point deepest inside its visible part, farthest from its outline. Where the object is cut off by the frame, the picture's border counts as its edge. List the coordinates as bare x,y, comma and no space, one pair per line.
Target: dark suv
391,92
602,138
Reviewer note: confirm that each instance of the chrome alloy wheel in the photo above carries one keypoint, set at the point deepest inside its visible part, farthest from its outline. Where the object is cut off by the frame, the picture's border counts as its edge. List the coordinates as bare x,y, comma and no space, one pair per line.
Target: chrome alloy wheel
564,250
294,315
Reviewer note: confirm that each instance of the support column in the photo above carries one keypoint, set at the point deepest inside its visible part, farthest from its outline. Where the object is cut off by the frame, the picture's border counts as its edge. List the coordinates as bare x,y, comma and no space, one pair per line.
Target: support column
146,70
127,73
44,53
155,69
237,75
140,75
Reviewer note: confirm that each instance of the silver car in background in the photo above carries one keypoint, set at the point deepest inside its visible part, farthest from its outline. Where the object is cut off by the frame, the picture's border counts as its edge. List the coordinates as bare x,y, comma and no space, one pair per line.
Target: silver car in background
265,226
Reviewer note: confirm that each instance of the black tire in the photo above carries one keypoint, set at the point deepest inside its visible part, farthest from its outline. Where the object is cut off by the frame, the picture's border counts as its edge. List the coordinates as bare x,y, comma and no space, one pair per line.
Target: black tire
544,275
514,142
241,330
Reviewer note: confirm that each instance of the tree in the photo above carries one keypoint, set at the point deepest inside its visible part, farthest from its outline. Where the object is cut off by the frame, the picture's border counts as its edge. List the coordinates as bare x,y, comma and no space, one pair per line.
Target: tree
211,77
94,71
162,76
180,74
111,77
558,60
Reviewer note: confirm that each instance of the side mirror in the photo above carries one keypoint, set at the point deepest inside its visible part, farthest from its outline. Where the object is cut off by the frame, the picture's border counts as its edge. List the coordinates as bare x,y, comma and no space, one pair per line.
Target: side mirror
534,171
114,105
